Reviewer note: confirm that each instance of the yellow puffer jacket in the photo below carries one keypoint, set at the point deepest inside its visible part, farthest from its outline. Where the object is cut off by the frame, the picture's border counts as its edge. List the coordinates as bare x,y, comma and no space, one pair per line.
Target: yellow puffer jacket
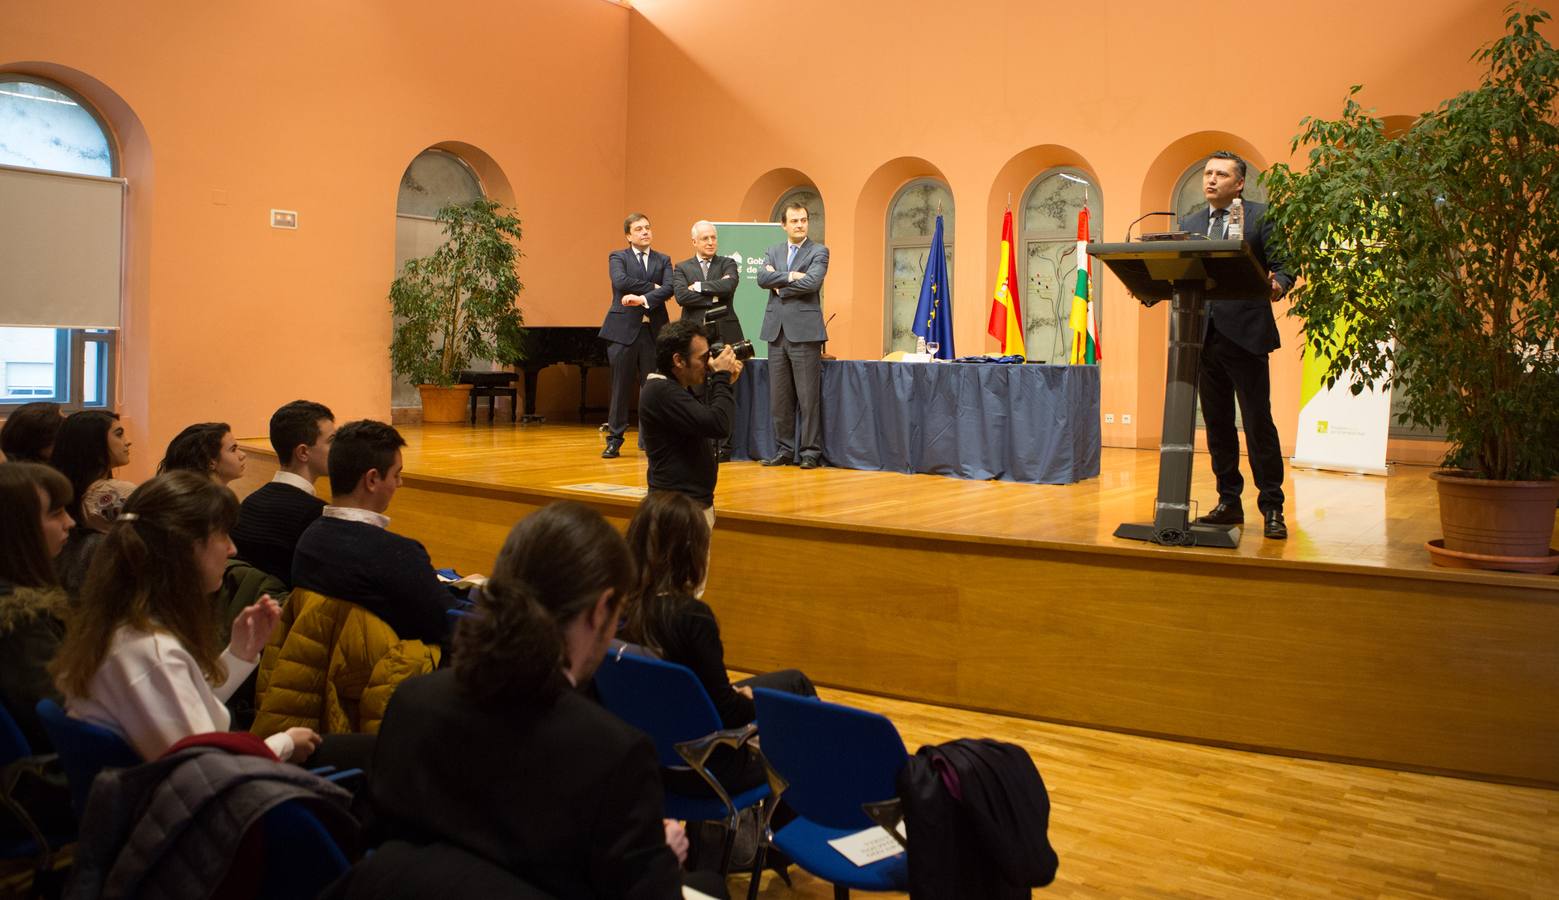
332,666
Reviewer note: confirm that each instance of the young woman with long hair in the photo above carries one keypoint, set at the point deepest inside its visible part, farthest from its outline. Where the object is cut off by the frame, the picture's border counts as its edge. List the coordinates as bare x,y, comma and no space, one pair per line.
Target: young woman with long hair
548,785
208,448
669,537
141,654
89,447
34,523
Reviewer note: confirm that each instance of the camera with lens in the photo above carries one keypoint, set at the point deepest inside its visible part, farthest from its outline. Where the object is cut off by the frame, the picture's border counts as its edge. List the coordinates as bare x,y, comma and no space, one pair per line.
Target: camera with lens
743,350
714,323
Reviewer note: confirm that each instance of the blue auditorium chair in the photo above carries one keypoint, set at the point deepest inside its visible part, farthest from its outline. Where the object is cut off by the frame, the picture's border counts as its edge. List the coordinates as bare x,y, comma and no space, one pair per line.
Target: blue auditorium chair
667,702
85,749
841,766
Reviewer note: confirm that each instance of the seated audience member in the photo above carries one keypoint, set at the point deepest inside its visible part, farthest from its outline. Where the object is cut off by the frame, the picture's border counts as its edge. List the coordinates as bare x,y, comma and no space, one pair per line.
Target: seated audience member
29,431
670,540
348,553
208,448
89,447
140,654
271,519
35,524
547,785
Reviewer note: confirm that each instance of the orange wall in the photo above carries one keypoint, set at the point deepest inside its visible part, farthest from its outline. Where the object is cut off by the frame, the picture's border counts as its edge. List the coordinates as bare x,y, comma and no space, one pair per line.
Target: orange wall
861,97
319,107
577,110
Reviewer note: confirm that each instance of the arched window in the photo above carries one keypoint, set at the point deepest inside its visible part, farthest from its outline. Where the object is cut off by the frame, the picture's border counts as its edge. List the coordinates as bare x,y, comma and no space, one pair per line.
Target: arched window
435,179
63,181
813,201
911,223
1048,256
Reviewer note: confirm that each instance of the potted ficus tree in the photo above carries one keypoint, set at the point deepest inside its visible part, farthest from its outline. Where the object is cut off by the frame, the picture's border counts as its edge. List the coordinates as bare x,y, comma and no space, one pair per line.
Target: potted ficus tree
457,304
1428,261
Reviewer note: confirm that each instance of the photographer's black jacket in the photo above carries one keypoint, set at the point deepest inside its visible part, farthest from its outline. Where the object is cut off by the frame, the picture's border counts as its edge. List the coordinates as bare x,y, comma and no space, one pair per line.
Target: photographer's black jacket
680,432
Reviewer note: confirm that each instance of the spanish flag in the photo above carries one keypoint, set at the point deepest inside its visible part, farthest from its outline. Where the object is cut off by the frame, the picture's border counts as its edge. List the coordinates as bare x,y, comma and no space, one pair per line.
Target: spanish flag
1085,329
1006,323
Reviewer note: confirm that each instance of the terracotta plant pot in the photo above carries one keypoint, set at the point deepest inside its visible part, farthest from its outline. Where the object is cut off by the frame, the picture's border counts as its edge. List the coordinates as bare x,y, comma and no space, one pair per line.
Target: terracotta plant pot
444,405
1496,518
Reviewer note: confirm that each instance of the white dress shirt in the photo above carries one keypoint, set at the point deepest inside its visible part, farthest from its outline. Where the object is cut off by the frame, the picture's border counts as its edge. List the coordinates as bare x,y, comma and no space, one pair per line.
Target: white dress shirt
298,481
354,514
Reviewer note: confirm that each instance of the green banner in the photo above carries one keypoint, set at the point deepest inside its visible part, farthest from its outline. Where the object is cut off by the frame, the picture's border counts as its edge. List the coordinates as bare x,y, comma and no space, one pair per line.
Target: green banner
745,243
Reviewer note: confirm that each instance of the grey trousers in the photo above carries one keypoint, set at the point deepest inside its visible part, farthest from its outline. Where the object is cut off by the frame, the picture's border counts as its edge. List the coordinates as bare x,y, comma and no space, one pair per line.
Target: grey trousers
631,364
796,383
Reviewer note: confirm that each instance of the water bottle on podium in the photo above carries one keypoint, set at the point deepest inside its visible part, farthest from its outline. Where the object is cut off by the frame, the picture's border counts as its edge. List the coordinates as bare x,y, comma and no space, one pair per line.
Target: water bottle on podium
1236,230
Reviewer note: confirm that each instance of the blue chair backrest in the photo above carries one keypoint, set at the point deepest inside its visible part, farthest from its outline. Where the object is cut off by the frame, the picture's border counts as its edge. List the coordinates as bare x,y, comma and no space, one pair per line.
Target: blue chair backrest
13,744
661,699
302,858
834,757
85,749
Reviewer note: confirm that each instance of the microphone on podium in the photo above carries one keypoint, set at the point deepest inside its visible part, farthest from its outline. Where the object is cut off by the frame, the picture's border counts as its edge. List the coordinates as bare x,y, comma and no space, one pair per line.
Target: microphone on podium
1156,235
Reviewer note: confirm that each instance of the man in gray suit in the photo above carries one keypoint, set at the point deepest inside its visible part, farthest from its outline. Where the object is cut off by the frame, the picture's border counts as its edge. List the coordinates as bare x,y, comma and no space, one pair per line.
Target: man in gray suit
793,274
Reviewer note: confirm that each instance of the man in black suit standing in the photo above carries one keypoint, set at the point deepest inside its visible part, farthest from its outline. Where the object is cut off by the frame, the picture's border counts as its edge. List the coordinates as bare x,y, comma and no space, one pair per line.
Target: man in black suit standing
793,275
703,284
1237,339
641,284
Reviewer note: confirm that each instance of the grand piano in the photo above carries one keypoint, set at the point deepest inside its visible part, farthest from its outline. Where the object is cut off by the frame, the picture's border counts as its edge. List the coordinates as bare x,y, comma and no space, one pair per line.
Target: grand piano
543,347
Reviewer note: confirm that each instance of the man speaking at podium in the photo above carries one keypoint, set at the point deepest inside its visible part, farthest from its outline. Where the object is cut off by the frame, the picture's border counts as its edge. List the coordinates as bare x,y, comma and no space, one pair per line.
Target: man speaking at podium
1236,341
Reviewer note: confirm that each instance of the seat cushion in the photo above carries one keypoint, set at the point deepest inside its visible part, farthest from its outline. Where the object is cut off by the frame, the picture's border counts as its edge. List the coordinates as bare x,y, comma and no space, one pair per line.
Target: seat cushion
806,843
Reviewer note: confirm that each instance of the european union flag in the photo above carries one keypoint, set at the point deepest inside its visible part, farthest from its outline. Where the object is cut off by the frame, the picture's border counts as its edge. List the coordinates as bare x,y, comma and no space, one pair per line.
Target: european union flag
934,312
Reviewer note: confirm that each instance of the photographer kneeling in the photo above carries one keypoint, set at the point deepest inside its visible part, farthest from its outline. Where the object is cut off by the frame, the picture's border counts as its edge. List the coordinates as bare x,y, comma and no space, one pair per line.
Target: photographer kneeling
680,430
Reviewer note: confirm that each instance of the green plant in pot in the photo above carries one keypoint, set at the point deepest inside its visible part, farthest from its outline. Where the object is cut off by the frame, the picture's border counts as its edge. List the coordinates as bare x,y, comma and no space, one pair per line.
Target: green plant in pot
457,304
1429,261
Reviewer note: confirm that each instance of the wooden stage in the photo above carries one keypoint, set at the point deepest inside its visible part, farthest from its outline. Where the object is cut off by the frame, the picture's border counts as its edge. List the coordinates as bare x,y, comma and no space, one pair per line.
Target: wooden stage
1340,643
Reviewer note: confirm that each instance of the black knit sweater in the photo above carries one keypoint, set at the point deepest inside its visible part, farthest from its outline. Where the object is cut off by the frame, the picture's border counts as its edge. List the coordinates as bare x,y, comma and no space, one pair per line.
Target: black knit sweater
270,521
680,433
384,573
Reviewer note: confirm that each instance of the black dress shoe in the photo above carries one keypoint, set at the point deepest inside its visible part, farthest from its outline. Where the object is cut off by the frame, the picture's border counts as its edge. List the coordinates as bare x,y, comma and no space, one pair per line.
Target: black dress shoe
1275,529
613,450
810,462
779,459
1223,514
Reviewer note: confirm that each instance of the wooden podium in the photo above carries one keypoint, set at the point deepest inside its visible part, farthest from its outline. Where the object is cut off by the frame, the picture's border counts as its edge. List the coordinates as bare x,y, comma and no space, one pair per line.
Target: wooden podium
1190,273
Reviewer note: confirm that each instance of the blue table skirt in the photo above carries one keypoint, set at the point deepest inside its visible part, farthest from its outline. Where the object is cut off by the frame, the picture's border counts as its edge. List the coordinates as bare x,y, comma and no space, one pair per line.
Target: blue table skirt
1029,423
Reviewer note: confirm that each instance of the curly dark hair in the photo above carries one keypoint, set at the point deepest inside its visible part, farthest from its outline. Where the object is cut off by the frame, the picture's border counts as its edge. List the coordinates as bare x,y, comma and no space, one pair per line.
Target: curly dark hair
195,449
552,568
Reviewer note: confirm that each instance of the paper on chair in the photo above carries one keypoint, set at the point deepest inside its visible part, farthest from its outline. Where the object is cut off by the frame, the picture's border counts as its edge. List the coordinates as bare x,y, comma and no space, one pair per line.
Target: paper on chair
694,894
866,847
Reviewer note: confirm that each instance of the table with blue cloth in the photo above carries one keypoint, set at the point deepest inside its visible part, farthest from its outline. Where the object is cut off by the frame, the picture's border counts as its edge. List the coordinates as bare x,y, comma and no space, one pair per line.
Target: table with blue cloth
1031,423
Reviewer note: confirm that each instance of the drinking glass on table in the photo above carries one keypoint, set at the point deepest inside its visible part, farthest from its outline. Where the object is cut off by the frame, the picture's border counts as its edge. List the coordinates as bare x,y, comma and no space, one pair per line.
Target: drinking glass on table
932,347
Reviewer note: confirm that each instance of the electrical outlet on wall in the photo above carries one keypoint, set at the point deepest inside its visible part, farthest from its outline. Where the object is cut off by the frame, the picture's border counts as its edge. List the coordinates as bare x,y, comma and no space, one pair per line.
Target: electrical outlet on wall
1109,418
1126,418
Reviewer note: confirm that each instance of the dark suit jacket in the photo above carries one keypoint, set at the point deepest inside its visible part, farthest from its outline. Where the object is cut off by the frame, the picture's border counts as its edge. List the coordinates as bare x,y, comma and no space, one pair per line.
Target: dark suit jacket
717,289
628,277
567,796
794,306
1249,323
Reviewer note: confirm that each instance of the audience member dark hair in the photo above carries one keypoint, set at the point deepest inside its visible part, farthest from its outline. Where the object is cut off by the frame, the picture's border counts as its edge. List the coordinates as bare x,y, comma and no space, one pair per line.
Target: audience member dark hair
296,423
25,559
676,338
632,218
81,453
360,446
195,449
29,432
145,575
554,566
669,537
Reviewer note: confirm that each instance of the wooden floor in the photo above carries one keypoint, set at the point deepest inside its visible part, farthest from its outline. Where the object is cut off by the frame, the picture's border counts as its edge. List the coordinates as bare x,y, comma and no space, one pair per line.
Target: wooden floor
1333,518
1138,817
